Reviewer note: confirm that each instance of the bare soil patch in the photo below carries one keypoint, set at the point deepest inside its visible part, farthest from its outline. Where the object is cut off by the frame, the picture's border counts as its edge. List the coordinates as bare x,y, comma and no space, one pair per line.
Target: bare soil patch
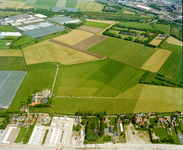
90,42
138,136
90,29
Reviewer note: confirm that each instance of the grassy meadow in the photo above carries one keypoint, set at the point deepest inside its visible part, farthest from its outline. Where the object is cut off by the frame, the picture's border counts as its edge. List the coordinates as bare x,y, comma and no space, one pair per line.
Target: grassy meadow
172,68
105,78
124,51
96,24
7,29
172,47
12,63
162,27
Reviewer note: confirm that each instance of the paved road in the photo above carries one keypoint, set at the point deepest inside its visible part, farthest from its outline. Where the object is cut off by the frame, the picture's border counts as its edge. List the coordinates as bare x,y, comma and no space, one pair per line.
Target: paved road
100,146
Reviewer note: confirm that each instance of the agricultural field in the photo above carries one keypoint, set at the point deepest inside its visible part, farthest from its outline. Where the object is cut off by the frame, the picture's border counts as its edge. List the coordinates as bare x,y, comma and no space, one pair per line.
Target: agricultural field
177,32
71,3
5,44
172,40
7,29
128,12
162,27
161,133
72,105
21,135
73,37
172,68
22,41
124,51
35,6
96,24
51,52
46,2
12,63
10,52
155,62
135,25
98,79
153,98
61,3
35,80
9,13
172,47
90,42
12,4
101,21
90,29
89,6
155,41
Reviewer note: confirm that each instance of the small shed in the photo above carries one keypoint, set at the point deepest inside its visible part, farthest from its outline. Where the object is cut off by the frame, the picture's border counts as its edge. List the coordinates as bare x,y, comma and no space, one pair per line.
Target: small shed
44,100
111,129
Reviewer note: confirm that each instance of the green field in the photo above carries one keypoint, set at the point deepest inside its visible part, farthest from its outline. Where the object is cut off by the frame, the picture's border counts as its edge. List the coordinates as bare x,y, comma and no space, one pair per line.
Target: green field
161,133
96,24
172,68
71,3
34,80
72,105
135,25
176,140
22,40
3,44
172,47
9,13
21,135
152,121
37,6
46,2
7,29
44,65
124,51
162,27
105,78
12,63
177,32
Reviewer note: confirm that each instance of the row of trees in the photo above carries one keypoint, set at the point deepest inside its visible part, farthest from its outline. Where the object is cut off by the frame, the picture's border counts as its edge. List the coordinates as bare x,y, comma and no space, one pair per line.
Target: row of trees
90,113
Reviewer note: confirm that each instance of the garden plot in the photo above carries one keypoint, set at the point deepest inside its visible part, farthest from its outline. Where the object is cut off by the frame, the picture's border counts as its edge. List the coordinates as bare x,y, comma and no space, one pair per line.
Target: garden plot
90,29
35,26
90,42
43,31
155,62
62,20
172,40
9,84
73,37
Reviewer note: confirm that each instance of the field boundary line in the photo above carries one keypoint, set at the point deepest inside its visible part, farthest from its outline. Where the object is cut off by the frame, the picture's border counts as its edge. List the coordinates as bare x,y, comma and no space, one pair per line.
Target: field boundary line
5,79
55,79
70,46
86,97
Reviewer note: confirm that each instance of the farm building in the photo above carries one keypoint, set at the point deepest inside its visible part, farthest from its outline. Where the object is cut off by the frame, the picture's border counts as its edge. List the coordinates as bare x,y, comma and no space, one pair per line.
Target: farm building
111,129
121,127
57,9
40,15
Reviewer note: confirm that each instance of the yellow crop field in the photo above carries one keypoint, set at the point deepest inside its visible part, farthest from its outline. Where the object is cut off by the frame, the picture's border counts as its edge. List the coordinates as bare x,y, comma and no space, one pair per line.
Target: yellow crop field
51,52
90,5
74,37
10,4
159,99
101,21
17,53
174,41
98,7
2,5
61,3
155,62
155,41
81,4
19,5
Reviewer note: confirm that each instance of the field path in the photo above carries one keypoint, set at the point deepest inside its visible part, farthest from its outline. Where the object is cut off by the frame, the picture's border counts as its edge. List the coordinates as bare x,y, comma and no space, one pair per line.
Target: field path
70,46
100,33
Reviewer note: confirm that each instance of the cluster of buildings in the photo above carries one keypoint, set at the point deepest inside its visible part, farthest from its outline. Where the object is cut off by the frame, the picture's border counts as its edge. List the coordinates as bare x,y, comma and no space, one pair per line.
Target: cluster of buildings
40,97
23,19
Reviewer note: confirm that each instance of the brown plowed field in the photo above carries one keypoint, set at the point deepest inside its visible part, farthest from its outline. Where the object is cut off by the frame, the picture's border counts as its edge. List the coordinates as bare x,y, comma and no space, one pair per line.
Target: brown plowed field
70,46
89,42
90,29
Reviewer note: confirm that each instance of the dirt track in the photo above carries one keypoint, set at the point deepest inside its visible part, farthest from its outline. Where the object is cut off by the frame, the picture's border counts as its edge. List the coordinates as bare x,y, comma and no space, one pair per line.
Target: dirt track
70,46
